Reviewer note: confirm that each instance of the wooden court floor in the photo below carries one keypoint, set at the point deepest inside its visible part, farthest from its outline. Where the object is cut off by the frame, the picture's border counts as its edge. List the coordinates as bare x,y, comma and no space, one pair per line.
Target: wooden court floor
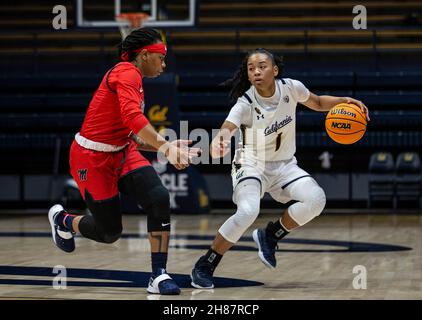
334,257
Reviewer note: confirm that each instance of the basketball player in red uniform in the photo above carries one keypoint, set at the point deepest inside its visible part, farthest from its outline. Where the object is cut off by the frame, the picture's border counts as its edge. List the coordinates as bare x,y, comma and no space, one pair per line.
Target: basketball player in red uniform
104,159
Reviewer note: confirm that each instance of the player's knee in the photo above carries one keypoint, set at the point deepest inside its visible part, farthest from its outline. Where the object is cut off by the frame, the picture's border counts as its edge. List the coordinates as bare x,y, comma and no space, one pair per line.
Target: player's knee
151,195
159,206
159,209
111,236
108,232
247,212
317,201
105,224
237,224
313,205
310,207
148,190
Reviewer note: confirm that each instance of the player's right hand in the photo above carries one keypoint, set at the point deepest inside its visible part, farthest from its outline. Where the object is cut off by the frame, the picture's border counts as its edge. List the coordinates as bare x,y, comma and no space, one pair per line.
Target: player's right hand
361,105
193,152
178,156
219,149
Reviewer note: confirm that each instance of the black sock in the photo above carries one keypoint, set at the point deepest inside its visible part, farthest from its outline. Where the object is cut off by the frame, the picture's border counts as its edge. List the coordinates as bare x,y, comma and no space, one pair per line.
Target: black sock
158,261
68,221
64,220
213,257
277,230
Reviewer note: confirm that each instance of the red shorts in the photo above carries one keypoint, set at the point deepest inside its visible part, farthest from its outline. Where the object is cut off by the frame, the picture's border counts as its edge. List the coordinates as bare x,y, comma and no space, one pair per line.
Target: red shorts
99,172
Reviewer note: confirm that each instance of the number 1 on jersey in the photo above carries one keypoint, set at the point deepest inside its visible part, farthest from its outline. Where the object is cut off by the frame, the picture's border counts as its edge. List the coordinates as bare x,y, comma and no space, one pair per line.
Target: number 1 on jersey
278,141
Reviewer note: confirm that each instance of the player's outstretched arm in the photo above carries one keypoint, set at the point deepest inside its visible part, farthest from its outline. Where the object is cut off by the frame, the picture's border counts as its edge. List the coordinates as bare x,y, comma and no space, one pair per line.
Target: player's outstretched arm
143,146
325,103
220,144
177,155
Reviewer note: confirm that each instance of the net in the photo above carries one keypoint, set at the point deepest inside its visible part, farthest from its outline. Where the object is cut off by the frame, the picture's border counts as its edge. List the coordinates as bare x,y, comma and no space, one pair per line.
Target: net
130,21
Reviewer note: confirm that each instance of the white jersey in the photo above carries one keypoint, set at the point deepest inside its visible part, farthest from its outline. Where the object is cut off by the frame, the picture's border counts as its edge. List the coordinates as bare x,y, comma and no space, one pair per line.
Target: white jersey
268,125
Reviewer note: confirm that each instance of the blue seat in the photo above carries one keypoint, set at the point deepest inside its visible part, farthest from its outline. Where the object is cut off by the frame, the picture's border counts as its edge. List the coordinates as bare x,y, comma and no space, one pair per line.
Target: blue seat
381,179
408,179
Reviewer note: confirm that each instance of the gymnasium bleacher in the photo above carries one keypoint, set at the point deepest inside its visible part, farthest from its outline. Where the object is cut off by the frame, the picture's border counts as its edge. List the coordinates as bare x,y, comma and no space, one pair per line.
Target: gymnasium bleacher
47,76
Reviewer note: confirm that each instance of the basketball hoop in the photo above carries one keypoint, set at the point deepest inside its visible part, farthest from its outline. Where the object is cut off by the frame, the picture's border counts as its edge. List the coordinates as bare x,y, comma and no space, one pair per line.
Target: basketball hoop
130,21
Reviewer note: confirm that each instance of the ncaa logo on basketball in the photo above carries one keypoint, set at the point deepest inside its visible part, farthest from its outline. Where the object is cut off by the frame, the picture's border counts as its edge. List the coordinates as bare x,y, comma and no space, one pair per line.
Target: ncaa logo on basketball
342,112
345,123
340,125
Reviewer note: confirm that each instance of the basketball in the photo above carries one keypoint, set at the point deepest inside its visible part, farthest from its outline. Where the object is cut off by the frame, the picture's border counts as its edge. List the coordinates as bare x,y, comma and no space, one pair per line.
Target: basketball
345,123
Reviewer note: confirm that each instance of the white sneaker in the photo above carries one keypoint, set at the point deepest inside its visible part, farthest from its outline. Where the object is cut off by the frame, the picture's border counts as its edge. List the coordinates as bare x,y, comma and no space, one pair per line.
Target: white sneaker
62,238
163,284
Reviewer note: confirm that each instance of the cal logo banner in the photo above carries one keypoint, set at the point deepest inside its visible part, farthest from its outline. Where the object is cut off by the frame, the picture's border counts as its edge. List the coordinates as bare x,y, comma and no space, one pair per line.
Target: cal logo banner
161,102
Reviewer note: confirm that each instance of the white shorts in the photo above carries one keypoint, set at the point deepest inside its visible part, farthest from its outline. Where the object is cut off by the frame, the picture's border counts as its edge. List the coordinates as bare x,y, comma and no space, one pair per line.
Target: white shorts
274,177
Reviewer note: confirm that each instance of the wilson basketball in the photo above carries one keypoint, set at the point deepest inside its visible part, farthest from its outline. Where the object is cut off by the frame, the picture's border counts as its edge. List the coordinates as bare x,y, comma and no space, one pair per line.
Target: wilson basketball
345,123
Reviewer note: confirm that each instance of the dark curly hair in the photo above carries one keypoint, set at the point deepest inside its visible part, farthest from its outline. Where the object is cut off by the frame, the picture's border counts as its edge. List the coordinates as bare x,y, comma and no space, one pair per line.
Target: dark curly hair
138,38
239,83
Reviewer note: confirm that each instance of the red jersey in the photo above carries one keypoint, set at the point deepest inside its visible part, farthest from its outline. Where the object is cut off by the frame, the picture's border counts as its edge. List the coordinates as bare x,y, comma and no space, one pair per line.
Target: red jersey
117,106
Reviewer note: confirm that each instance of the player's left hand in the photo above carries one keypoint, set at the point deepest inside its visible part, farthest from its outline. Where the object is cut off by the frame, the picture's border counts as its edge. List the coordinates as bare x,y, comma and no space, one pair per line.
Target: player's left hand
361,105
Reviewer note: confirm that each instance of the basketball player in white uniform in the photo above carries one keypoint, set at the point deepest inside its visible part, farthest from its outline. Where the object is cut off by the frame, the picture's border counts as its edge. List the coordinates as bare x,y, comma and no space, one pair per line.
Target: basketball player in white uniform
264,161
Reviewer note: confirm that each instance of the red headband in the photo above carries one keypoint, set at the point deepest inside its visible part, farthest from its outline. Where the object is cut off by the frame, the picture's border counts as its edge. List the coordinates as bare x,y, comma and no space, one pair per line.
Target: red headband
153,48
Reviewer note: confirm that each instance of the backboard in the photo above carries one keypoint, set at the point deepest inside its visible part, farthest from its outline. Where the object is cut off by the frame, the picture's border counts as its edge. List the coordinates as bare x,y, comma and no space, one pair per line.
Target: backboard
162,13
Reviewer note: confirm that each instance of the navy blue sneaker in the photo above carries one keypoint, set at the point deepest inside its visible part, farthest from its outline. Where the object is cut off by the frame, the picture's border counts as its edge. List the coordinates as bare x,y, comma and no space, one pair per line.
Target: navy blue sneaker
266,246
202,274
162,283
62,238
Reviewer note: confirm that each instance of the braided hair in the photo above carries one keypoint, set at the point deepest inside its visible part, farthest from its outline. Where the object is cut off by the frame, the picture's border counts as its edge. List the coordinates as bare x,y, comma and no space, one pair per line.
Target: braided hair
138,38
240,83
